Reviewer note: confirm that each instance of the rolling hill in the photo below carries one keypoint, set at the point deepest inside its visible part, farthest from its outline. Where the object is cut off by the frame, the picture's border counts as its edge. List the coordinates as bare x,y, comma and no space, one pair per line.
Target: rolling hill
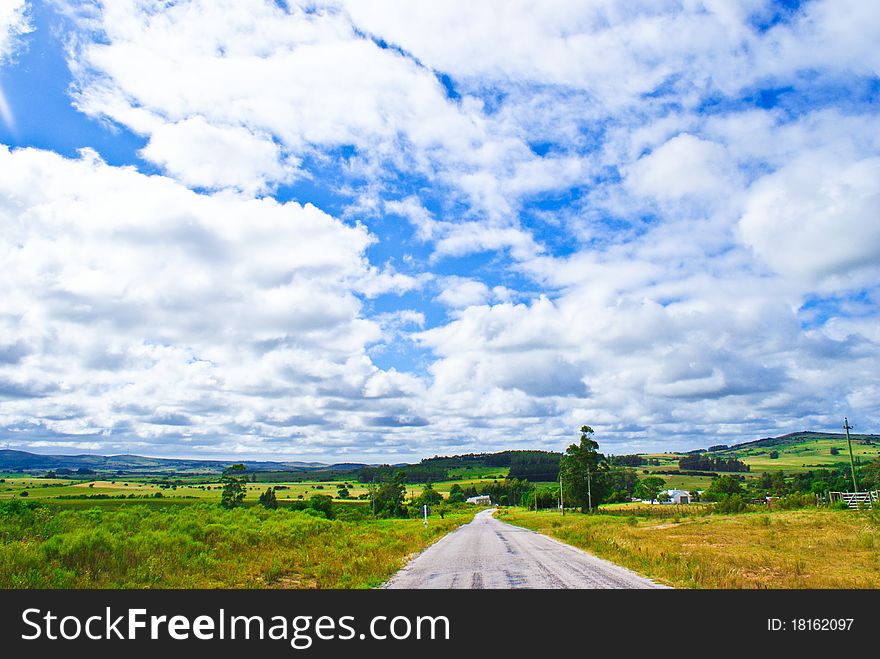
23,461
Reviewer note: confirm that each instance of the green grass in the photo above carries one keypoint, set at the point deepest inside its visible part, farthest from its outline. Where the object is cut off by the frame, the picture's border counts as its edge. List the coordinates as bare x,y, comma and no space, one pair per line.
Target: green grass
806,454
684,481
202,546
46,488
806,548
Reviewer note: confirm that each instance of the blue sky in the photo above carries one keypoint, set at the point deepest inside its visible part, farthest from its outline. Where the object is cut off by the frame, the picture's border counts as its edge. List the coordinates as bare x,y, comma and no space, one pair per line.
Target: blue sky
369,230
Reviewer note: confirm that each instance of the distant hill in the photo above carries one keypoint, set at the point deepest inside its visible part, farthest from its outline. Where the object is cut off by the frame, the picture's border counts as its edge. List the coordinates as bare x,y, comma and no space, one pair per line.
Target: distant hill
532,465
797,451
800,437
791,439
12,460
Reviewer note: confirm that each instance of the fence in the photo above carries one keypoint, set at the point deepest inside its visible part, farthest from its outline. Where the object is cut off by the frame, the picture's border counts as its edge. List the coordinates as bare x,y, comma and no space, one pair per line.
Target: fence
856,500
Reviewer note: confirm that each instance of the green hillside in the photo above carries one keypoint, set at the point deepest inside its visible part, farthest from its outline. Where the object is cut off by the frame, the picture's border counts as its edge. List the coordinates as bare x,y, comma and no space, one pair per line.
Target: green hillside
804,450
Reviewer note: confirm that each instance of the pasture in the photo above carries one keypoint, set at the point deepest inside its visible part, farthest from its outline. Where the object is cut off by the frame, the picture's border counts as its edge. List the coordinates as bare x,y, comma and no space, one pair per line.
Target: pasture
806,454
190,489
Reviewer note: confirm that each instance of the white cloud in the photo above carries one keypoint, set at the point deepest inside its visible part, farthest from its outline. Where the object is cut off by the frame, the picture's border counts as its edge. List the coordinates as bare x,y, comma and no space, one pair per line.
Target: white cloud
135,307
470,237
13,24
209,81
460,292
708,266
685,166
818,219
835,34
614,51
205,156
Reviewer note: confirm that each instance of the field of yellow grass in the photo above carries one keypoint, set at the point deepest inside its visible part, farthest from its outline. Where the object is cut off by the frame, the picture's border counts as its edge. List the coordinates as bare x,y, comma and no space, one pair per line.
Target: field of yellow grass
807,548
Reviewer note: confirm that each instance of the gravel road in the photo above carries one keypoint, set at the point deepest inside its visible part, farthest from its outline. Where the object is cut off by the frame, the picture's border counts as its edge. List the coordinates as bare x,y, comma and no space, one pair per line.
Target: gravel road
488,553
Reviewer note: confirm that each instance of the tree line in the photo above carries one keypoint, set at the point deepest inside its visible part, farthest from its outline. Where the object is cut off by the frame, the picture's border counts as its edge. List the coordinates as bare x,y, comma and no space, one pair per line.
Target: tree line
701,462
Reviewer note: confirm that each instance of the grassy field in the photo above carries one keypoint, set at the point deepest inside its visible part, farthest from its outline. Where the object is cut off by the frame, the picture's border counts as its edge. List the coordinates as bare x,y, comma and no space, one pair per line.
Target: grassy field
807,548
808,454
799,455
46,488
53,488
202,546
684,481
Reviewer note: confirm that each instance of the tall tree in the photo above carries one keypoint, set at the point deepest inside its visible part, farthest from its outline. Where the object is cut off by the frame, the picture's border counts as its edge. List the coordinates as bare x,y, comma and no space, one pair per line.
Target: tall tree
268,498
388,497
584,473
648,488
234,481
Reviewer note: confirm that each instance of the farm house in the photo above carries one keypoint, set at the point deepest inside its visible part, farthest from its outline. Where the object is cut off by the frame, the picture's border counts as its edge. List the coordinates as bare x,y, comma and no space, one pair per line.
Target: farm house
678,496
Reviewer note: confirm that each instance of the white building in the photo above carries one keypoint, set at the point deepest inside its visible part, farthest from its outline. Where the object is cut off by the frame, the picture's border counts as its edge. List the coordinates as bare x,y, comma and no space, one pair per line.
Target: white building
678,496
482,499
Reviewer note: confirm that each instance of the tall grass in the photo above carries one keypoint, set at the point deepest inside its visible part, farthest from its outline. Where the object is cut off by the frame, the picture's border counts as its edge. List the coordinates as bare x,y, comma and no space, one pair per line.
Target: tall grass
807,548
202,546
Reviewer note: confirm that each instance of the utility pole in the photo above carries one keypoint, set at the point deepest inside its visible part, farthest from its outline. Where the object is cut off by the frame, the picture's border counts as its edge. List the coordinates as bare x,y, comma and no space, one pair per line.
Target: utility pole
852,463
561,498
589,492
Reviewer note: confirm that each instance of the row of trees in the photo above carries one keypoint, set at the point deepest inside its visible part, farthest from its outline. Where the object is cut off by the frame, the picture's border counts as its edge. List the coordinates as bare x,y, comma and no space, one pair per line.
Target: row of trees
420,473
534,465
701,462
627,460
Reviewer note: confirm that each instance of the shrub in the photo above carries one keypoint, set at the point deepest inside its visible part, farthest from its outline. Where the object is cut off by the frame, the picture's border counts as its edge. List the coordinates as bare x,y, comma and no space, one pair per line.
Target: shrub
268,499
730,503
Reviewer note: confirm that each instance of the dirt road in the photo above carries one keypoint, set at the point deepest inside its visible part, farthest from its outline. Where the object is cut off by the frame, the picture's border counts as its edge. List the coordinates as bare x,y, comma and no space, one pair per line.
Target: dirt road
488,553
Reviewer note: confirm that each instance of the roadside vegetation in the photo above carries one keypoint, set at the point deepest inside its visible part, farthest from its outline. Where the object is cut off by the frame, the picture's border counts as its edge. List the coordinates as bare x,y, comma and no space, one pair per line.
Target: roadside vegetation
803,548
206,546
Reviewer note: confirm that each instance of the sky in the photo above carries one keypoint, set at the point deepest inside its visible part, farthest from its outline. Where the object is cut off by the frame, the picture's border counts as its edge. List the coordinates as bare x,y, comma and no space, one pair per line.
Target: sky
378,230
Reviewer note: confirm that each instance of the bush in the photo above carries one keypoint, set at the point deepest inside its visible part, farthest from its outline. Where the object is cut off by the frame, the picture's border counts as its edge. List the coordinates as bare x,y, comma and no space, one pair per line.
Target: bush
797,500
322,504
268,499
730,503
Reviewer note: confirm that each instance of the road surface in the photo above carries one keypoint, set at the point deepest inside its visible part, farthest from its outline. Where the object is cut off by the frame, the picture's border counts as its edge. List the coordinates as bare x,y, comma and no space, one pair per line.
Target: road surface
488,553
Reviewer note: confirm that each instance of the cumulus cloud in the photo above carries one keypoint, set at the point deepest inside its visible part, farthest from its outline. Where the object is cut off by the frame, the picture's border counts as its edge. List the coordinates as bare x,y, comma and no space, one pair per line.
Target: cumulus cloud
151,309
818,219
659,218
264,87
459,292
685,166
206,156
